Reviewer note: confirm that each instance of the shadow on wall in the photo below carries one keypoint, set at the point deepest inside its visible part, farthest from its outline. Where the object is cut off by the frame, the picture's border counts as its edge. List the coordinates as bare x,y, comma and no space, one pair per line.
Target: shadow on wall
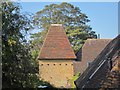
79,55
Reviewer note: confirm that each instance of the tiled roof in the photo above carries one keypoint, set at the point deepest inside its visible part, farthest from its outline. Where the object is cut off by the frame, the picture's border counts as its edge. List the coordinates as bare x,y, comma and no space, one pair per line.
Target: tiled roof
96,73
56,44
90,50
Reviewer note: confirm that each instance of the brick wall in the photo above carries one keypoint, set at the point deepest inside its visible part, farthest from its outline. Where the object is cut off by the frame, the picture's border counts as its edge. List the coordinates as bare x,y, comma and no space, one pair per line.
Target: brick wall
56,72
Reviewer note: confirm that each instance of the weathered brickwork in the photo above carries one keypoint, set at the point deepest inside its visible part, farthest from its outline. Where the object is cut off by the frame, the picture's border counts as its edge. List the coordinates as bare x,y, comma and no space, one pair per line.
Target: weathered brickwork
56,72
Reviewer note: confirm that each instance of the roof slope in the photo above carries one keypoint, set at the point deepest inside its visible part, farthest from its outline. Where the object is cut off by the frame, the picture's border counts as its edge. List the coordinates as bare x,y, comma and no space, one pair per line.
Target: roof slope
56,44
100,66
90,50
112,80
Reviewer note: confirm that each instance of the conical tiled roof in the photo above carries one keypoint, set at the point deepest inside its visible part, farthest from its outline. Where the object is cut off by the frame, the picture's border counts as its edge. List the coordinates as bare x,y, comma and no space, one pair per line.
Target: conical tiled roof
56,44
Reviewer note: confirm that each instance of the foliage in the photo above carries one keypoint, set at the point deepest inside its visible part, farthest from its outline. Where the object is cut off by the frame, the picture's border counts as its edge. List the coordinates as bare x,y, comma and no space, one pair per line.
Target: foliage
71,17
74,78
18,67
36,43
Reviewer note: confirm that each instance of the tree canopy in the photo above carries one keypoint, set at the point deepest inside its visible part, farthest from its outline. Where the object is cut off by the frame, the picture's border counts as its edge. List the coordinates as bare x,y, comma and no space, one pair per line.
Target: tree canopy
71,17
18,59
18,66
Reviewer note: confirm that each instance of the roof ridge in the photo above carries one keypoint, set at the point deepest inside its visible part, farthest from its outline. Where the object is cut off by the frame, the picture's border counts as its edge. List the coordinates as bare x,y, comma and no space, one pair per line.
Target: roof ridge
101,39
56,25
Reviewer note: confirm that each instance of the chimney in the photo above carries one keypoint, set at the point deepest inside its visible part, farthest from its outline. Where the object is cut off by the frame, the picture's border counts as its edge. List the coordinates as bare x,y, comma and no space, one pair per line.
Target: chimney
98,36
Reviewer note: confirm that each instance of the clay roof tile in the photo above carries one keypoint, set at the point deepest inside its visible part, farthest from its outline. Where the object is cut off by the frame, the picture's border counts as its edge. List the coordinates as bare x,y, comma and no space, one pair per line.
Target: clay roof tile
56,44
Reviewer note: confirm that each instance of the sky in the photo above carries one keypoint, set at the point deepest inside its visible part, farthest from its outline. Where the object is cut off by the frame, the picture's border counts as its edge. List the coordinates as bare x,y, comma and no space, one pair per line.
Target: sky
67,0
103,15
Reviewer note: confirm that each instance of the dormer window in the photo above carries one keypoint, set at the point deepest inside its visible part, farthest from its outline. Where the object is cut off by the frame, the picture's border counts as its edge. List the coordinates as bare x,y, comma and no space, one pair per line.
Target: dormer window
89,63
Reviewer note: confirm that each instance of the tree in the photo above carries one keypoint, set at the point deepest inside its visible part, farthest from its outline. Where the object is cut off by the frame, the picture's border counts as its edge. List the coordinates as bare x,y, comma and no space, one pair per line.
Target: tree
71,17
36,43
18,67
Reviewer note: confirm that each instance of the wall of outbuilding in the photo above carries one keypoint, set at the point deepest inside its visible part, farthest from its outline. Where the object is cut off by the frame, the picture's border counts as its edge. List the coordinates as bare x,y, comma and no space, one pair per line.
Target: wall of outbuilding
56,72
